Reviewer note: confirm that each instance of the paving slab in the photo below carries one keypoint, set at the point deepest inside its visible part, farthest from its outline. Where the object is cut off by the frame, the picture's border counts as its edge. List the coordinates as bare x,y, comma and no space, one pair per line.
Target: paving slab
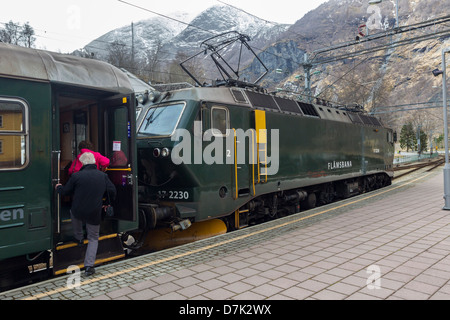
390,244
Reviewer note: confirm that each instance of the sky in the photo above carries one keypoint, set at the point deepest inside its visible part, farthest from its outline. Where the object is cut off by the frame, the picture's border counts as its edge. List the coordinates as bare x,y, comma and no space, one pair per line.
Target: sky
67,25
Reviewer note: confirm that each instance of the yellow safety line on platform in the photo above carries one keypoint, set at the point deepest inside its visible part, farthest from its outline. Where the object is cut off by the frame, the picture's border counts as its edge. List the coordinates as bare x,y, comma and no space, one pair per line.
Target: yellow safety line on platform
118,273
98,261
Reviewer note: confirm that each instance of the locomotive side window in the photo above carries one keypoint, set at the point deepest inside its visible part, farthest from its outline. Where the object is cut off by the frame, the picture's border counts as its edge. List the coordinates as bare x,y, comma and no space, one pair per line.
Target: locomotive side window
390,137
13,134
220,121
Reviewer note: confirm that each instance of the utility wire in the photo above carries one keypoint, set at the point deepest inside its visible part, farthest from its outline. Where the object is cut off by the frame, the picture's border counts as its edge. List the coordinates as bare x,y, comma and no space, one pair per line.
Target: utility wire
331,48
197,27
167,17
267,21
341,57
420,25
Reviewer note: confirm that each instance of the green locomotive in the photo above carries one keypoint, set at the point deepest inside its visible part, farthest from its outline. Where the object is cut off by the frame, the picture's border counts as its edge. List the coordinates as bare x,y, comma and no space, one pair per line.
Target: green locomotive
243,156
235,153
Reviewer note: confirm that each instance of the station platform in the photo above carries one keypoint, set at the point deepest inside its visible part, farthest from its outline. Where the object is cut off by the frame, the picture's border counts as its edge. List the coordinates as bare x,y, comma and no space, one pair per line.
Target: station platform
390,244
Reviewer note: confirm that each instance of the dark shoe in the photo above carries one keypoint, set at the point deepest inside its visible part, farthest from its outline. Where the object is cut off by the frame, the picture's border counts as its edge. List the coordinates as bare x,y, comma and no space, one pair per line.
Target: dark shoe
78,242
89,271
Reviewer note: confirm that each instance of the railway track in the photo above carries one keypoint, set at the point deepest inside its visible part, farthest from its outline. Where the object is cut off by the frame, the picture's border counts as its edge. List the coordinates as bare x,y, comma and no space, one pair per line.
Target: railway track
403,170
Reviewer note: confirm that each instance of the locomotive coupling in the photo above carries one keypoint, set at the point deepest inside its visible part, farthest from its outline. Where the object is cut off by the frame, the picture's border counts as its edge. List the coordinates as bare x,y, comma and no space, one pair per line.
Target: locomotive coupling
154,214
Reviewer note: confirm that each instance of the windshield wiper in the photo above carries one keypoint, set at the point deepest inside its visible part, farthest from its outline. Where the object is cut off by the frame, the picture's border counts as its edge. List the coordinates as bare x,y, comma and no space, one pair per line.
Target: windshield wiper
150,118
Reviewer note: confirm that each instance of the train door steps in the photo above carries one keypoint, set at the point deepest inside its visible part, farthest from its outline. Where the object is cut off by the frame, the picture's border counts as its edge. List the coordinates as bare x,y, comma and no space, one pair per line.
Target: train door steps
109,248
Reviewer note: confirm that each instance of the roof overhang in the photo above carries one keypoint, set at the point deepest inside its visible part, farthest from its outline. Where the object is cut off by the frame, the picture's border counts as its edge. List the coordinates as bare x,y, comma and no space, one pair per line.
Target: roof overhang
25,63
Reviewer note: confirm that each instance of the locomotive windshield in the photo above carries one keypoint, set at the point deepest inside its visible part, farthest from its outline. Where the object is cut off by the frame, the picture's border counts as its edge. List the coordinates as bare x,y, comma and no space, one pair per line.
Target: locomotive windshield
162,121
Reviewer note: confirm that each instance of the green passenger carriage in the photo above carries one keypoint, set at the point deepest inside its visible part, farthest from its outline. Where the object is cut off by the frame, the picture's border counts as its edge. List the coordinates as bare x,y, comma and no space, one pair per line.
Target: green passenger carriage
49,103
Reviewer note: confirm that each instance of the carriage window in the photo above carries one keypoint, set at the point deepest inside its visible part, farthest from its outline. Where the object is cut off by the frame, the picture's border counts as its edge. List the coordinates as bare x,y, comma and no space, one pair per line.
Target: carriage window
13,134
220,121
118,145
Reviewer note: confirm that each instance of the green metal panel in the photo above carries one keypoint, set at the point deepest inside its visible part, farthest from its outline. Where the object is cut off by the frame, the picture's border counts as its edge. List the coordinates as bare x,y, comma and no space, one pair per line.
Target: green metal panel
42,80
25,194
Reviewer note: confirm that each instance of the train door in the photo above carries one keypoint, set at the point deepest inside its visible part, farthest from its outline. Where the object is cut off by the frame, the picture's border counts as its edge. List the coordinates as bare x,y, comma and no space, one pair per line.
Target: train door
223,137
245,162
105,124
243,138
119,149
75,120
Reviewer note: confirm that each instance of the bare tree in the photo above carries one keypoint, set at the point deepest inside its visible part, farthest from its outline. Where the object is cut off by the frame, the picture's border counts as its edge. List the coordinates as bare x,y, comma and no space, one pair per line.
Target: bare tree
176,74
28,35
195,67
11,33
16,34
153,62
119,55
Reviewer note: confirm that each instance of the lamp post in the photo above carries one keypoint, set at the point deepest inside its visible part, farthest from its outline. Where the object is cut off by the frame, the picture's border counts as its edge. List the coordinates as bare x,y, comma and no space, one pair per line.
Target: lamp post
447,165
437,72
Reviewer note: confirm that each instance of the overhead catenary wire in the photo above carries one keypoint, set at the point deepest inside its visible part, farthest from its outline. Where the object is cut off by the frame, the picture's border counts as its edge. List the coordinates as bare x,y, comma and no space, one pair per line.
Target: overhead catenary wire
202,29
409,107
126,66
272,23
166,16
389,33
332,48
434,22
197,27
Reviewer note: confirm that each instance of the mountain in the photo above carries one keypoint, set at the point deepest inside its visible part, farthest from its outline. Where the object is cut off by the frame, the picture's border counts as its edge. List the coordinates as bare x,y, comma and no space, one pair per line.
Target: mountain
349,72
220,19
171,40
147,35
396,75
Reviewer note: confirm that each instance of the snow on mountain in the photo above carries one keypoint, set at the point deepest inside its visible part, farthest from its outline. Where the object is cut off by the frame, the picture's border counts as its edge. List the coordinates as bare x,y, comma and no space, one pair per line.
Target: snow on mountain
174,37
147,35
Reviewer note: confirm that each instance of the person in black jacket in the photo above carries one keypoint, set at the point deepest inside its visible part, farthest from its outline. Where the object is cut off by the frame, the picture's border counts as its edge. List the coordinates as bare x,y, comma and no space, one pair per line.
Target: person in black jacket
88,186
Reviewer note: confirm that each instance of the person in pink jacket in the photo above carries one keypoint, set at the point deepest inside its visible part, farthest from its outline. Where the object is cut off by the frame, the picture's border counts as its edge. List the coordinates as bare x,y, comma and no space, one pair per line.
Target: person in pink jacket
86,146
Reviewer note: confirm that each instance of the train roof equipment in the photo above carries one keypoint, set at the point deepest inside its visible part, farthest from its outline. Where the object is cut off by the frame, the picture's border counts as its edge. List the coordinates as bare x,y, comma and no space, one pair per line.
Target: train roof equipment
216,45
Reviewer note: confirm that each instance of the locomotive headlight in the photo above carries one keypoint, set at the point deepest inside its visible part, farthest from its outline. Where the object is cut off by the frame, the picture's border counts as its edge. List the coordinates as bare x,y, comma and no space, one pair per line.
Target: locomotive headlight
153,96
143,97
156,152
165,152
140,99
